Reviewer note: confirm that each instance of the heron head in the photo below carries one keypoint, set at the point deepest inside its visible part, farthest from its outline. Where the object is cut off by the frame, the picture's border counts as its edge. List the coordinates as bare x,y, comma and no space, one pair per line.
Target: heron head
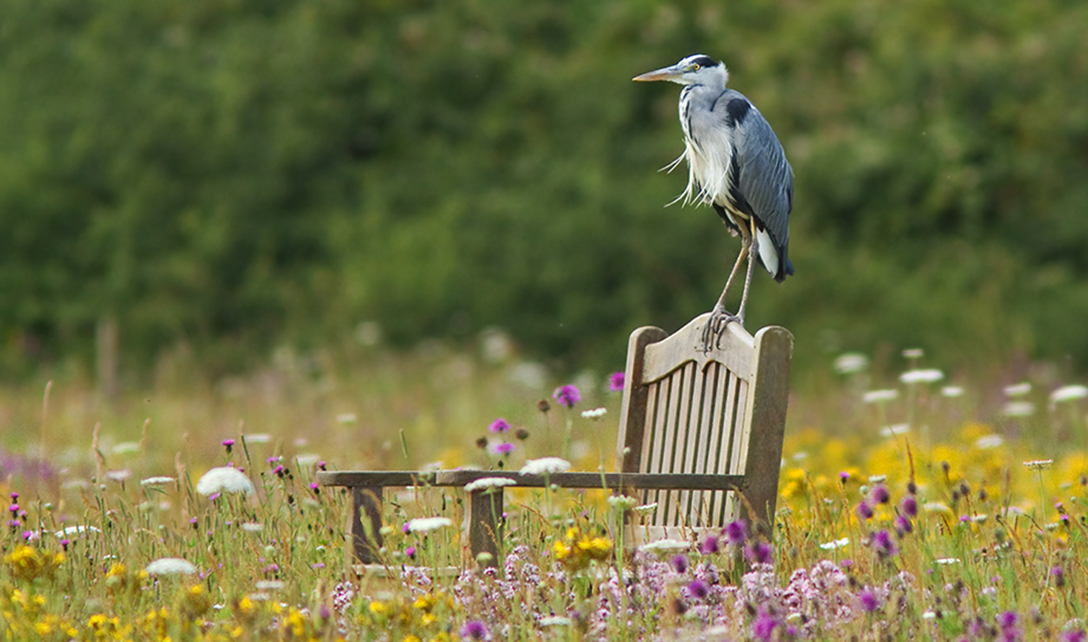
695,69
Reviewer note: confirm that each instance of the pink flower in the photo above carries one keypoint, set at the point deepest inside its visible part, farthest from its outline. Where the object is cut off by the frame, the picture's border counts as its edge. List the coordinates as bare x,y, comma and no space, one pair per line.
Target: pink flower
499,425
567,395
502,448
615,381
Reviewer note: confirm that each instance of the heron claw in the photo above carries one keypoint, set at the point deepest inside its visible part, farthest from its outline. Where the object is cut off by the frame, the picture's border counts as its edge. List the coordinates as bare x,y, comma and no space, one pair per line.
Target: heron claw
715,327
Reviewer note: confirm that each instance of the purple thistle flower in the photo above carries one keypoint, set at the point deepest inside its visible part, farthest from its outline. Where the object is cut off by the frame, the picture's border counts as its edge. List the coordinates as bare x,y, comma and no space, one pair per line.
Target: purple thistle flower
869,602
278,470
763,626
1074,635
1009,622
475,630
698,590
883,544
410,552
844,477
615,381
503,448
273,460
14,508
880,494
736,532
499,425
228,444
903,525
864,510
758,553
709,545
321,465
909,506
680,563
567,395
14,496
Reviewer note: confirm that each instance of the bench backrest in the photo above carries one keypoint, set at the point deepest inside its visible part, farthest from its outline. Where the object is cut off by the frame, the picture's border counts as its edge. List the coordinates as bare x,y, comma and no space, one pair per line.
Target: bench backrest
718,411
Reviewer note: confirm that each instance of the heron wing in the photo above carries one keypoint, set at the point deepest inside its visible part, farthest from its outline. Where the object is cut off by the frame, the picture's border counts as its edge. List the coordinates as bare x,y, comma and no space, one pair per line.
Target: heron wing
763,176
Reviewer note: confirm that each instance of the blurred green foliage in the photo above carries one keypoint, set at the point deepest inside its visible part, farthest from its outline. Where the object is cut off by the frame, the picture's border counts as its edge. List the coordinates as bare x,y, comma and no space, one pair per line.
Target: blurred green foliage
232,175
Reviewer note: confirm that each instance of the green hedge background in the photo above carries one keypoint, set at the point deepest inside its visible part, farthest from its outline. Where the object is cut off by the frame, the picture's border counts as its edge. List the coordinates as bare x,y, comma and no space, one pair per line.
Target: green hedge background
235,175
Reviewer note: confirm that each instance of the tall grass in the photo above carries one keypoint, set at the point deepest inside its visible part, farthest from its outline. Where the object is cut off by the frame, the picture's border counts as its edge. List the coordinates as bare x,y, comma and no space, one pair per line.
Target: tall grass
933,509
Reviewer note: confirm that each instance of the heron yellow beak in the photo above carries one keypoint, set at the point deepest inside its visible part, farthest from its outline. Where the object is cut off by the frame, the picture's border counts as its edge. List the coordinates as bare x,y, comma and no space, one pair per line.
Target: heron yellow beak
665,73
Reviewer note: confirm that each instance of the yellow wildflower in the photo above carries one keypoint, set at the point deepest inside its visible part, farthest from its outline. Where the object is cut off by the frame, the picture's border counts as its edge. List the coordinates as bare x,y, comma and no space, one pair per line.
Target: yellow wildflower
378,608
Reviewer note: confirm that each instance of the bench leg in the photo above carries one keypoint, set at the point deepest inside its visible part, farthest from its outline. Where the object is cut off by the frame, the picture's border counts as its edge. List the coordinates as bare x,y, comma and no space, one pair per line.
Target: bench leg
485,523
365,523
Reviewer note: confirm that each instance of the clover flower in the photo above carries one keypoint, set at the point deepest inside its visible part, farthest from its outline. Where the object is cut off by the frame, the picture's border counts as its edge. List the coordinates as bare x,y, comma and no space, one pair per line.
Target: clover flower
567,395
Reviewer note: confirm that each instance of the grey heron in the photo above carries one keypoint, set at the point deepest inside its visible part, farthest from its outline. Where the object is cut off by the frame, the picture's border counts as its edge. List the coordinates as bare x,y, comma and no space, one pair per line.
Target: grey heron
737,166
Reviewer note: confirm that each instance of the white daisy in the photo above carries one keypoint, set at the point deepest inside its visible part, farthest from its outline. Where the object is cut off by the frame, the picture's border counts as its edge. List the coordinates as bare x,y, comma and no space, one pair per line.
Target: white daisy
1068,393
666,546
921,376
488,482
224,479
545,466
427,524
171,566
880,396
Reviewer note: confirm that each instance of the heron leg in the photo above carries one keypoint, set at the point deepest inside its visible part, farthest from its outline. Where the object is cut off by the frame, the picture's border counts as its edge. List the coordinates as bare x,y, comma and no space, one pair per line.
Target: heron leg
720,317
720,305
753,251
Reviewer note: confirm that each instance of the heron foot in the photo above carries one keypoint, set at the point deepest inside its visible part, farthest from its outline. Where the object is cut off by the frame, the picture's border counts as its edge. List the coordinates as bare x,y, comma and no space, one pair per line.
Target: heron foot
715,327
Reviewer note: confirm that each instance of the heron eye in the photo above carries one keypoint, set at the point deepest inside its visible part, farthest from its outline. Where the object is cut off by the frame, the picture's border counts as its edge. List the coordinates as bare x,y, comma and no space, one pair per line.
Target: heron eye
695,67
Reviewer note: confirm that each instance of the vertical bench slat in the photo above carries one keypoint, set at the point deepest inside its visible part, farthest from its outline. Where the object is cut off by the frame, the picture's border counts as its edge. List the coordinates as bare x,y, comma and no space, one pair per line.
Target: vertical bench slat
682,434
364,529
709,404
668,442
485,522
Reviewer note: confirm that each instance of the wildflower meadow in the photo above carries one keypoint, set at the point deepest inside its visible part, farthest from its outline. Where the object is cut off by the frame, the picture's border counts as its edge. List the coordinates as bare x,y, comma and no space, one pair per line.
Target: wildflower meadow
912,505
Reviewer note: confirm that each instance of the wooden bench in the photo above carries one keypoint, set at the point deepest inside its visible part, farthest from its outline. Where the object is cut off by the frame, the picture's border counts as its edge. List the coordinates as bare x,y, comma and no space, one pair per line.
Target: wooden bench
696,427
